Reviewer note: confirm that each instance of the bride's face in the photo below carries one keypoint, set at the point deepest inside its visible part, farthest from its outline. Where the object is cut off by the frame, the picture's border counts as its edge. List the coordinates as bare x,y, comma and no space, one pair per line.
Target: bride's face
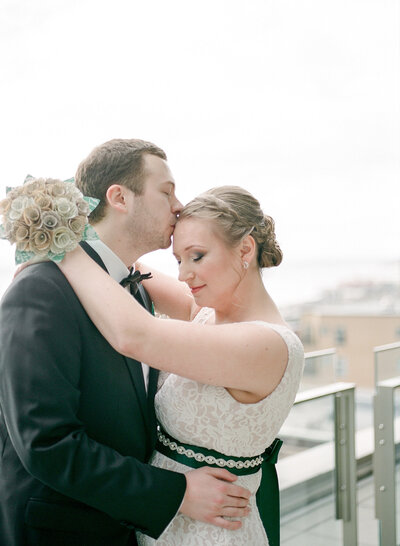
210,268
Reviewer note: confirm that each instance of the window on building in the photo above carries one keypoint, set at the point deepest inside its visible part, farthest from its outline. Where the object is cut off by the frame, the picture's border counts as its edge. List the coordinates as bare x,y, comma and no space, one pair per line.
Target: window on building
324,331
306,335
340,335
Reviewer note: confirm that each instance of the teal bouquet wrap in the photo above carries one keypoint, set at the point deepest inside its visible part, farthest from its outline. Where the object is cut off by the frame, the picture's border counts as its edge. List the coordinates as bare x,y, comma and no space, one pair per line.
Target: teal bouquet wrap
45,218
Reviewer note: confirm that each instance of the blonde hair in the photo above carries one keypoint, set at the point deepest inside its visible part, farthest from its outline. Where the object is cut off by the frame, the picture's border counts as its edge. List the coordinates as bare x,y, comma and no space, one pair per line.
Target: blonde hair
236,214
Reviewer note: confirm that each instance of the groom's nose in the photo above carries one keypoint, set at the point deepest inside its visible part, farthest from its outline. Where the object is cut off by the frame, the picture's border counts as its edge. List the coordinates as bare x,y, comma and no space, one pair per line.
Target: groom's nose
176,206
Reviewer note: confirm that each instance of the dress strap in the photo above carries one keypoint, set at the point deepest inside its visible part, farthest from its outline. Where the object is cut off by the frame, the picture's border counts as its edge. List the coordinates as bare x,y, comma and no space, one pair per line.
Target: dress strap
203,315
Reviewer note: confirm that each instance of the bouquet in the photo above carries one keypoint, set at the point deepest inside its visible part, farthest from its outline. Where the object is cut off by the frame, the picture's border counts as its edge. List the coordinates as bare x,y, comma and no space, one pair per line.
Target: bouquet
46,218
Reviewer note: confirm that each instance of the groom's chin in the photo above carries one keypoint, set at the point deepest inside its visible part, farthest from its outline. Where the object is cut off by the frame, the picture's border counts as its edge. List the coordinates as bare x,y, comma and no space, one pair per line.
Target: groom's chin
166,243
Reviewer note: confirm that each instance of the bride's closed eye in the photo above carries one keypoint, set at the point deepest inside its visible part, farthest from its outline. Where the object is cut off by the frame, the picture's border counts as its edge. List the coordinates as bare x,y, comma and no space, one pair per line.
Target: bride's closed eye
195,258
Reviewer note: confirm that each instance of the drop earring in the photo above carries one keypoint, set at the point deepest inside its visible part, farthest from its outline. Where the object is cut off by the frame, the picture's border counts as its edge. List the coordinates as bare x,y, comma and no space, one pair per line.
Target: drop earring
246,265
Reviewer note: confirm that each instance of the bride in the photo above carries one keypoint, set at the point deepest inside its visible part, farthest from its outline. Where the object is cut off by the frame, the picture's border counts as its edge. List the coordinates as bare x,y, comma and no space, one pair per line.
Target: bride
234,365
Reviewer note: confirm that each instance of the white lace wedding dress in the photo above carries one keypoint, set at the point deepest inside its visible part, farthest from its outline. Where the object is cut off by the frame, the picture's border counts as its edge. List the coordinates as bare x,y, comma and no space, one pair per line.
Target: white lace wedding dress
208,416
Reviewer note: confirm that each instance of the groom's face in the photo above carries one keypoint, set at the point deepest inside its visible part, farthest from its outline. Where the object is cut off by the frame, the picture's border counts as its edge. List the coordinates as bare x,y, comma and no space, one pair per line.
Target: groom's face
154,213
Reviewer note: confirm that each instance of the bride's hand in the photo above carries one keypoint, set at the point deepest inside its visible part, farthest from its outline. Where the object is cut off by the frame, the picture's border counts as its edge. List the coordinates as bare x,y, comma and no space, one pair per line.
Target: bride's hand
32,261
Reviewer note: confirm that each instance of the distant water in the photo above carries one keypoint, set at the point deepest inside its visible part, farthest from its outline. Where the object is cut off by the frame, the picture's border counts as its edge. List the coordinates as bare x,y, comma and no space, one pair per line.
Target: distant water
299,282
290,283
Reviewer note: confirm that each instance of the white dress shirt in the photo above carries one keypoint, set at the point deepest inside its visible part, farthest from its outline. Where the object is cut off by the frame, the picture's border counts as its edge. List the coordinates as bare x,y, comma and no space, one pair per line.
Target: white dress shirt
118,271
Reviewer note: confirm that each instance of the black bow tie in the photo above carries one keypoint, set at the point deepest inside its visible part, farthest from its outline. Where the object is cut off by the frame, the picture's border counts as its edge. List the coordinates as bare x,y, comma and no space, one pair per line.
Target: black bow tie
133,280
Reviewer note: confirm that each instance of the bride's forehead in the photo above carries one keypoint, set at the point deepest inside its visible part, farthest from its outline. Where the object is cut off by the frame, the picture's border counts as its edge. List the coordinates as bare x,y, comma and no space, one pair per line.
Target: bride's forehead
193,230
186,226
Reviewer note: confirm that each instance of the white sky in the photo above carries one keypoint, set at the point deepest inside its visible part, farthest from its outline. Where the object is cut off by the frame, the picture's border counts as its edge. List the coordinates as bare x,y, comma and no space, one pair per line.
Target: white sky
296,100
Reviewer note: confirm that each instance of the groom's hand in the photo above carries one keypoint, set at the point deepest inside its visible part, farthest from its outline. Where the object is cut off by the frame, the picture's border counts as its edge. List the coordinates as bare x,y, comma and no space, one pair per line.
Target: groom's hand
211,496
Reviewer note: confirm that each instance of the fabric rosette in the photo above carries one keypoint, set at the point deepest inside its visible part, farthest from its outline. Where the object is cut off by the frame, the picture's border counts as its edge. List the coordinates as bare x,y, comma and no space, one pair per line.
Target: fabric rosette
45,218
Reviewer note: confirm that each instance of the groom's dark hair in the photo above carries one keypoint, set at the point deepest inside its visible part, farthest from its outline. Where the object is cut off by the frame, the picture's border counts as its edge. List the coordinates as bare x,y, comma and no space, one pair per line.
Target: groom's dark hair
118,161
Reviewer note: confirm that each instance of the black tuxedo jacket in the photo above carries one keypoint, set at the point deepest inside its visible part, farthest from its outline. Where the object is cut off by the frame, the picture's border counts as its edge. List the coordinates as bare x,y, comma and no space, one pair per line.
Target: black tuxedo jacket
76,428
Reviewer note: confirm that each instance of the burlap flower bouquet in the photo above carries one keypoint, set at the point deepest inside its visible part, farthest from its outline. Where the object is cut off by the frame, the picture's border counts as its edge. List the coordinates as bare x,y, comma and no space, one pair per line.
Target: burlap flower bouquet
46,218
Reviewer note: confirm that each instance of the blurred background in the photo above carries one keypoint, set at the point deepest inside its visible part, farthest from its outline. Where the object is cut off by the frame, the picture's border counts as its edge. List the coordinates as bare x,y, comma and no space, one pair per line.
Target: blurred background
298,101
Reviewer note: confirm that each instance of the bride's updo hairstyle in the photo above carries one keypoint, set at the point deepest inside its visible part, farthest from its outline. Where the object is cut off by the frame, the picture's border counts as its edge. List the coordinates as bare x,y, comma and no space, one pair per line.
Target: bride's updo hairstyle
236,214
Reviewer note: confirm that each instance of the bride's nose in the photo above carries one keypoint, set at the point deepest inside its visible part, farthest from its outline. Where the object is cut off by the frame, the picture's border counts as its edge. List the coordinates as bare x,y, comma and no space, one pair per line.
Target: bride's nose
185,273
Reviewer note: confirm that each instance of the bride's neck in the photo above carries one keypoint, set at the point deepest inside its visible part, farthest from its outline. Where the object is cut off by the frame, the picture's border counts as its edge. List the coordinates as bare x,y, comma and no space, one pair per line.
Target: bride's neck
250,302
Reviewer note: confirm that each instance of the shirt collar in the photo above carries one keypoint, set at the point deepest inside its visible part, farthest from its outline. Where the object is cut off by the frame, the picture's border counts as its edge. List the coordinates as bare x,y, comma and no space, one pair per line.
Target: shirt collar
115,266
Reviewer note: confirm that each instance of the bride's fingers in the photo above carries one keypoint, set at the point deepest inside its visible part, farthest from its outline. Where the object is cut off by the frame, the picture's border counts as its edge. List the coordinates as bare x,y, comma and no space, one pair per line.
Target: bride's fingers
32,261
19,269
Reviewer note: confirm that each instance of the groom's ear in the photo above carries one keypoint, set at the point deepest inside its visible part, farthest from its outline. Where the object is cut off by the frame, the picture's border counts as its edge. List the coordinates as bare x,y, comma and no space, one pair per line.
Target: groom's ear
116,197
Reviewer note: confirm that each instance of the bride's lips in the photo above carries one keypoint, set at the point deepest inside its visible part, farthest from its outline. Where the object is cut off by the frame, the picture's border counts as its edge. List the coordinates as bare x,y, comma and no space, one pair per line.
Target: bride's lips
195,289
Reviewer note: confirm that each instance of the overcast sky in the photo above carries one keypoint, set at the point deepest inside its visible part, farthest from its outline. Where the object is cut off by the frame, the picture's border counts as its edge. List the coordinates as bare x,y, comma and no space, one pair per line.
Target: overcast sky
298,101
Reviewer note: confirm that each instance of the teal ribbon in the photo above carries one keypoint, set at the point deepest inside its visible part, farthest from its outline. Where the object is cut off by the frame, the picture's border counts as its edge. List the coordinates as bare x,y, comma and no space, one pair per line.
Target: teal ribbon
267,496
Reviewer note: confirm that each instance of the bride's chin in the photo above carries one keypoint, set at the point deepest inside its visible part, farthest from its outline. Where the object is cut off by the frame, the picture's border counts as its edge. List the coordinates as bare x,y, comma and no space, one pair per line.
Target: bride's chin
203,301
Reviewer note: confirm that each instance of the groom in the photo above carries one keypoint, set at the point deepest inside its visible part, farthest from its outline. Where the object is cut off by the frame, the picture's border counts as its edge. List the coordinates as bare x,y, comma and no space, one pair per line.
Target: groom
77,422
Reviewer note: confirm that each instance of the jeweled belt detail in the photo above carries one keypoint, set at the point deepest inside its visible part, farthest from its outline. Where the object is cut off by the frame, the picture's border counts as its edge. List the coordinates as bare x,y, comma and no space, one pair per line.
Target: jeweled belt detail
245,463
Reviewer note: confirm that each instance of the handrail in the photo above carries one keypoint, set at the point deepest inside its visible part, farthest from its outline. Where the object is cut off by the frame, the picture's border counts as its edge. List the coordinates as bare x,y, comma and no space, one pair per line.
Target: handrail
323,352
323,391
387,347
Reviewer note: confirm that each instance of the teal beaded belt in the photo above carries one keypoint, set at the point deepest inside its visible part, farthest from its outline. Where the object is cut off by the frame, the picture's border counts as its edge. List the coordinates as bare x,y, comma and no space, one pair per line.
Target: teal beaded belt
196,457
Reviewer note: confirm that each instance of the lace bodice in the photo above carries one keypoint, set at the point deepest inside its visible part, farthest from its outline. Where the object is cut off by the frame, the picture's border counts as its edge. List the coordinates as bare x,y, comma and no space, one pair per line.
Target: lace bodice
208,416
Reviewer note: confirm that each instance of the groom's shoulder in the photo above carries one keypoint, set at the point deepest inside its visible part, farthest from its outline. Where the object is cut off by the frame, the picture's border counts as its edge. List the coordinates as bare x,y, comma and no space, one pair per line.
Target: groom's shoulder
44,277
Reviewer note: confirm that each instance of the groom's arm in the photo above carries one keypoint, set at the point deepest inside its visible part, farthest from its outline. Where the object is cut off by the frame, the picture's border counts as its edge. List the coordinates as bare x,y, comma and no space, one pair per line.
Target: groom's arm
40,375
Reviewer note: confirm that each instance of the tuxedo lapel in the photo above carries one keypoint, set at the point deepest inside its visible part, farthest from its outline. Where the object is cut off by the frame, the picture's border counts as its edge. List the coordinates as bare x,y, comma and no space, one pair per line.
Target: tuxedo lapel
151,391
136,373
93,254
153,373
134,367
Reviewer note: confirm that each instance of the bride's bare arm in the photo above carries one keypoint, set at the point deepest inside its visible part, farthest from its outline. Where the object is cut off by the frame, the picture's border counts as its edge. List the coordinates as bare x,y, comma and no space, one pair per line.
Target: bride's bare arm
170,296
245,356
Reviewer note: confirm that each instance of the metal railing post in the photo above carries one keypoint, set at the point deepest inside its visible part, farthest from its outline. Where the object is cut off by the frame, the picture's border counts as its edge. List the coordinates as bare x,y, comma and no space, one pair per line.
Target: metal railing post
345,459
384,458
345,455
384,462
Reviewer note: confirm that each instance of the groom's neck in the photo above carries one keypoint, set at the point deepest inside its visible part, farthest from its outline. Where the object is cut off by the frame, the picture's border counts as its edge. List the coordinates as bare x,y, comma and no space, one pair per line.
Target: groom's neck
117,241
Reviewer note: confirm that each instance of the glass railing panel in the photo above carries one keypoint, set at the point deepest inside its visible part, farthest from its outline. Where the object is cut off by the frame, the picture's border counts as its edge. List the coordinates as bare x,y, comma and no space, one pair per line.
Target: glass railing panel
307,476
317,484
308,425
319,369
387,362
